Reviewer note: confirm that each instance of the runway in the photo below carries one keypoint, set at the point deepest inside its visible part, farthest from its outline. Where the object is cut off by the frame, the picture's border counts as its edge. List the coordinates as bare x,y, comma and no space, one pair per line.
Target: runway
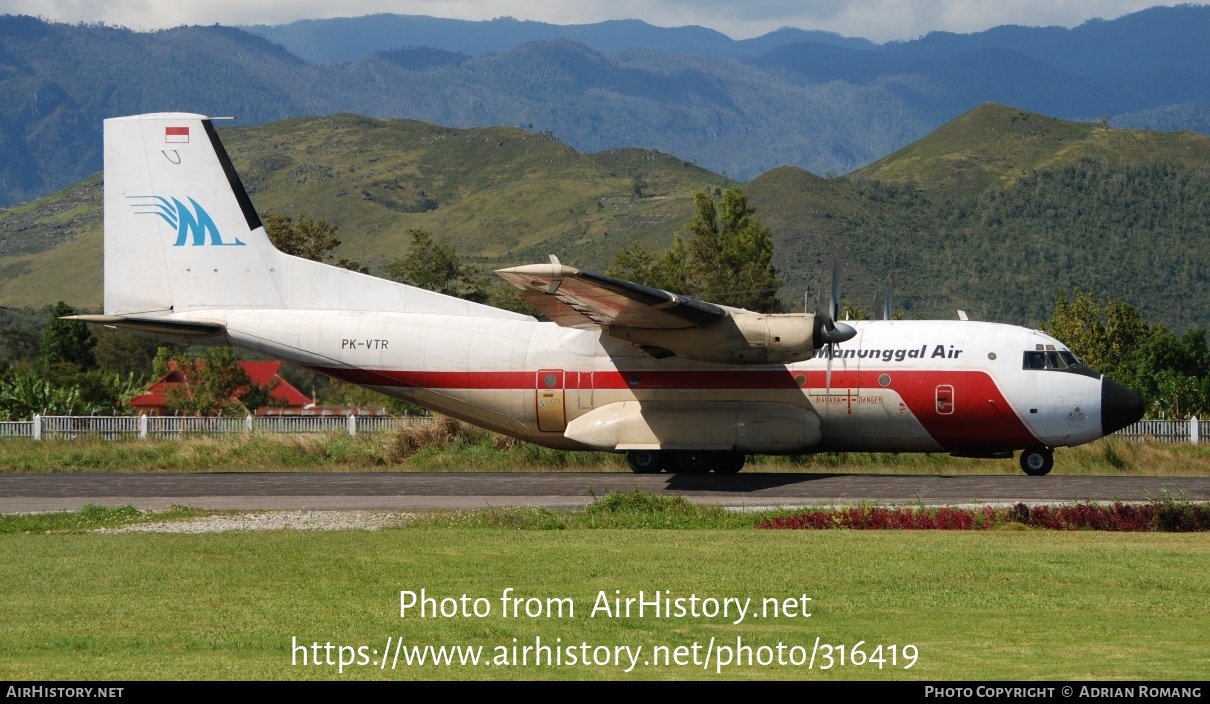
418,491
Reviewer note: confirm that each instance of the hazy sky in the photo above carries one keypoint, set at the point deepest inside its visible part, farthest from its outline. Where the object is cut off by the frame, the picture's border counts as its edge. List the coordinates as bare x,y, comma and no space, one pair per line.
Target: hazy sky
879,20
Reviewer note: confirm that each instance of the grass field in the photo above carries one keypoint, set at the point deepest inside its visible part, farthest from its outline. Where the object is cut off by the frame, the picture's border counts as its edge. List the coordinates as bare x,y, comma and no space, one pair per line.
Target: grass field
1008,604
458,447
1012,603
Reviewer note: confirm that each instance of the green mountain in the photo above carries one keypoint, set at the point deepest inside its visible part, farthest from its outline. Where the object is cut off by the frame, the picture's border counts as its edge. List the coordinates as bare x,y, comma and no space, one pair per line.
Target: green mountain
1000,209
995,144
994,213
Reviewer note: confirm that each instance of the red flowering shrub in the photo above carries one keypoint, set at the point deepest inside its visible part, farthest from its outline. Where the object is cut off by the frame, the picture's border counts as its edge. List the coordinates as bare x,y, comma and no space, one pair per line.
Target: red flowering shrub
1161,516
1182,518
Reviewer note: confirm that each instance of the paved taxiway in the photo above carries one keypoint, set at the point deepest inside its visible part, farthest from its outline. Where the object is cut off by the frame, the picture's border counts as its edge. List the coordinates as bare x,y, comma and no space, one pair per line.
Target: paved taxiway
391,491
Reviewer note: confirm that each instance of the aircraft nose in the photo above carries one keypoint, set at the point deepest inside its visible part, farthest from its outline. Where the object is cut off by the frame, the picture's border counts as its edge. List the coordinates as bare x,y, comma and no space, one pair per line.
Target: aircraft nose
1120,406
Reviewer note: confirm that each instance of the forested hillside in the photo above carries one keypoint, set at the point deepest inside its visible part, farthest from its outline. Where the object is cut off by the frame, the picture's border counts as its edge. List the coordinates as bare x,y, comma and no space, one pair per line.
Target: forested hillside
1000,209
995,213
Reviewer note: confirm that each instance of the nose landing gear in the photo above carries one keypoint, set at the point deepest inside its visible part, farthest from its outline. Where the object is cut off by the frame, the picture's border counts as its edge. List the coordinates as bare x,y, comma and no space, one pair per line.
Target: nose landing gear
1037,461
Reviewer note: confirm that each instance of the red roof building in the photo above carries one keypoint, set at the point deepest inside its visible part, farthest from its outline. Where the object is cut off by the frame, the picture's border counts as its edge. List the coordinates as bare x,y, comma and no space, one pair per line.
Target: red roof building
260,373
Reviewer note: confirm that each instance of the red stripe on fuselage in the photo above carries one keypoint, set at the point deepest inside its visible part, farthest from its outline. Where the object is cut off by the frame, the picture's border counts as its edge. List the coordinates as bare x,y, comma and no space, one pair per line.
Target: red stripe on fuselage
683,380
981,419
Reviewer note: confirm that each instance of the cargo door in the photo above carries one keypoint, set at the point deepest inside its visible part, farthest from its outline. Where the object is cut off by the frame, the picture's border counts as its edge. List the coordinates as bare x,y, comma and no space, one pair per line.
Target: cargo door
549,398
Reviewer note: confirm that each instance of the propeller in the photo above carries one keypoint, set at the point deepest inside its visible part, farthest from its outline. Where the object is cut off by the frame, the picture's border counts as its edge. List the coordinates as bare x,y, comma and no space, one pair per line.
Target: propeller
827,329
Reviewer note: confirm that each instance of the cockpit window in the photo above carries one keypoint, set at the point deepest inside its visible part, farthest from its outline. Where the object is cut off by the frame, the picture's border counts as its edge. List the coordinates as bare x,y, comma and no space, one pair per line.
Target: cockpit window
1050,359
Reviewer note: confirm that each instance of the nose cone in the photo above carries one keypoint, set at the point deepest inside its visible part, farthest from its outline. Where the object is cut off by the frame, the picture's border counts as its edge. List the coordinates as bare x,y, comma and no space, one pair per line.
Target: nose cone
1120,406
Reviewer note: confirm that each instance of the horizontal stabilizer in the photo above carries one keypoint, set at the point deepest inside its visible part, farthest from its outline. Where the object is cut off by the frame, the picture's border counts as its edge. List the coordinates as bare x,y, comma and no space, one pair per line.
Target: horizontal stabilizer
159,326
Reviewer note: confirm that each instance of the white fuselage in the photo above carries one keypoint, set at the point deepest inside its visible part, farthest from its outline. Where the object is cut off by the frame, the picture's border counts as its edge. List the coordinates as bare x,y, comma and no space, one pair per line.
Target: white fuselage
900,386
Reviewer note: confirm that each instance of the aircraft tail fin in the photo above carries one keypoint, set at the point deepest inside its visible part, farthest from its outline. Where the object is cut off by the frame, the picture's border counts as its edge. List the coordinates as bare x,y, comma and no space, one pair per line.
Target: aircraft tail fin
181,234
180,230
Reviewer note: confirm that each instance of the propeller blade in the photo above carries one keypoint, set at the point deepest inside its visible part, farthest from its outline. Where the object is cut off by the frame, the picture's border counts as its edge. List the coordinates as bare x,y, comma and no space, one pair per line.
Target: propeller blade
823,316
827,384
835,307
890,294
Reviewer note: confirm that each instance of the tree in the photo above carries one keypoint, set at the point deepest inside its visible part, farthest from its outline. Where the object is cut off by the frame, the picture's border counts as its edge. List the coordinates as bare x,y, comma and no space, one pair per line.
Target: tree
26,392
435,267
67,342
665,270
727,257
306,238
638,185
634,263
1080,325
215,384
25,395
848,311
124,354
1171,373
19,346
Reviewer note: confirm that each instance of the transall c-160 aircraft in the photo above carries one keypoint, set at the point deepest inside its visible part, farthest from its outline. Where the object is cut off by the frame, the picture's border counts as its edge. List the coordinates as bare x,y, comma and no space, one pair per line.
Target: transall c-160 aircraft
676,383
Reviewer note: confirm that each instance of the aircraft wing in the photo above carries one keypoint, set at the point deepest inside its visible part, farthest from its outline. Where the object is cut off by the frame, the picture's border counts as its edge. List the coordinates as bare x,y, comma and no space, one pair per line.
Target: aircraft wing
660,323
579,299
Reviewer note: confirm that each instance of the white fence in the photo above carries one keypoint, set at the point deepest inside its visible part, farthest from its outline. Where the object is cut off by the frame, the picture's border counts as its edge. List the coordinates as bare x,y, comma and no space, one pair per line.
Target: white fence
1192,430
114,427
16,429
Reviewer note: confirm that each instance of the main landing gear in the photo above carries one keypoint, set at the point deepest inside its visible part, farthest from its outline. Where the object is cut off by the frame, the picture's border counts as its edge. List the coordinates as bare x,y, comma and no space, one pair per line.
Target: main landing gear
1037,461
685,461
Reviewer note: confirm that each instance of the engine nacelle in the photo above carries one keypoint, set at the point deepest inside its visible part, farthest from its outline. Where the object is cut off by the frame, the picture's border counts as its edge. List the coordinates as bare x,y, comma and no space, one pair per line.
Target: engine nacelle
743,338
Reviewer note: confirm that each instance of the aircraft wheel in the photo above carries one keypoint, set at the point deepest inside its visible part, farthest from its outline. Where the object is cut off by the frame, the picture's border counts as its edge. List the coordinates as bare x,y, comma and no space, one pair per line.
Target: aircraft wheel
694,462
731,463
645,461
1037,461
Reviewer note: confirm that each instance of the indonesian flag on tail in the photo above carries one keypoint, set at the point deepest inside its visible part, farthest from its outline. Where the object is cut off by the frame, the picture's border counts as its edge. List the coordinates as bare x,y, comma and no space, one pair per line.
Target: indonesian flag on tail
176,135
